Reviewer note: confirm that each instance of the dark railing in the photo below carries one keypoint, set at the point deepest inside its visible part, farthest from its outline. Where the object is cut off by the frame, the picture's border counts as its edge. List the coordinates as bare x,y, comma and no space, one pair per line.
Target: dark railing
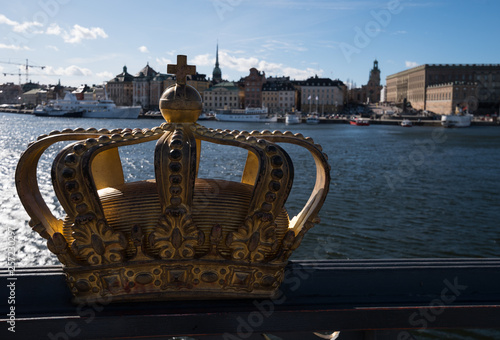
364,299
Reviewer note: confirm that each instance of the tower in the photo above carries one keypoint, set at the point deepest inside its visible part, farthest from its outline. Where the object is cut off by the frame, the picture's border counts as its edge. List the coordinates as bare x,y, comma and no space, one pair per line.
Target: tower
373,88
374,79
217,73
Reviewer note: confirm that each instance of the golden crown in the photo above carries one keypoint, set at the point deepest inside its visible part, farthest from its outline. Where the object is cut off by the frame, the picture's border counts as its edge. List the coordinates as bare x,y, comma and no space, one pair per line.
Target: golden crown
165,238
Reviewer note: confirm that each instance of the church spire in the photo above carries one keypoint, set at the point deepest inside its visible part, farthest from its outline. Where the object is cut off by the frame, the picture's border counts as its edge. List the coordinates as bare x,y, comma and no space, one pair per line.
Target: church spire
217,73
217,55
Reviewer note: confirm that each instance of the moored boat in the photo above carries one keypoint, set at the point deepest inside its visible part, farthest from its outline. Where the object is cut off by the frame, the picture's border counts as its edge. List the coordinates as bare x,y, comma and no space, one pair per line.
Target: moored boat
51,110
252,115
71,107
312,118
292,118
406,123
359,121
206,116
456,120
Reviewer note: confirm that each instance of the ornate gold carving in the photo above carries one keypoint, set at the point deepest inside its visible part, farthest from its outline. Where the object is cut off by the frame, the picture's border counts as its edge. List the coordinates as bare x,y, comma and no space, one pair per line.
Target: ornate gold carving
255,240
96,242
176,236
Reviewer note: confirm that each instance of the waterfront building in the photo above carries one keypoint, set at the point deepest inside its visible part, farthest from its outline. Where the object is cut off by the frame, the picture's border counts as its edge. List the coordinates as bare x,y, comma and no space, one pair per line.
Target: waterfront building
198,81
159,83
252,85
79,92
120,88
446,98
10,93
412,85
322,95
141,87
34,97
279,95
223,96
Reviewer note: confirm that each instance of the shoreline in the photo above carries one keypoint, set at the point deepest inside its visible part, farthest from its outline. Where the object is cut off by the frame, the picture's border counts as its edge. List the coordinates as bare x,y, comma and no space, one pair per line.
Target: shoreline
322,120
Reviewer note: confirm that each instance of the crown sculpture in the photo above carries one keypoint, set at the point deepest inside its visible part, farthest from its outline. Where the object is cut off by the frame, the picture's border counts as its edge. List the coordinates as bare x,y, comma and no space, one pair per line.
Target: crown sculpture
162,238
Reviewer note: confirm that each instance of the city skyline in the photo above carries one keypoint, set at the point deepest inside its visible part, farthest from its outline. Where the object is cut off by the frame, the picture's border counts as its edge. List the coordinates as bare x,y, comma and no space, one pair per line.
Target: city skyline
89,43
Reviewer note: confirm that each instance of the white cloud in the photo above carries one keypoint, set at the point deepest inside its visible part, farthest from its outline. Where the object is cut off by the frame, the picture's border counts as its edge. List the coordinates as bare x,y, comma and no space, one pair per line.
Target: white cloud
410,64
228,61
79,33
164,61
72,70
143,49
54,29
14,47
105,75
18,27
203,60
52,47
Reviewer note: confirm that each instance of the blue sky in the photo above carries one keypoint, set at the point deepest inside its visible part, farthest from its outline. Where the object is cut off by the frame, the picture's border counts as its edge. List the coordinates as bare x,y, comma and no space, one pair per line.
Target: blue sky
89,42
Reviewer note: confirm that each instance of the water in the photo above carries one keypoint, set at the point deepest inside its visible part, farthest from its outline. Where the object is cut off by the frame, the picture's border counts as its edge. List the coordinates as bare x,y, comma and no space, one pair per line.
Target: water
395,192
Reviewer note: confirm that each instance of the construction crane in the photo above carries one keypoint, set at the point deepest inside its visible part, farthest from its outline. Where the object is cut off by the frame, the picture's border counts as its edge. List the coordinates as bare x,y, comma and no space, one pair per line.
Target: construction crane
27,66
13,74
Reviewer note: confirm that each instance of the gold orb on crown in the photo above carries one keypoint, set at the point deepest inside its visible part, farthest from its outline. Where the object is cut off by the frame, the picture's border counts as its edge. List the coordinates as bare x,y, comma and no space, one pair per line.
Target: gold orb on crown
174,236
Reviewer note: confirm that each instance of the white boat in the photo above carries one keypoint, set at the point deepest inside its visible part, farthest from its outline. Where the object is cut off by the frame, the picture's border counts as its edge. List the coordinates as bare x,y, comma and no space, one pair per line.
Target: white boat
206,116
71,107
291,119
460,119
406,123
312,119
56,110
252,115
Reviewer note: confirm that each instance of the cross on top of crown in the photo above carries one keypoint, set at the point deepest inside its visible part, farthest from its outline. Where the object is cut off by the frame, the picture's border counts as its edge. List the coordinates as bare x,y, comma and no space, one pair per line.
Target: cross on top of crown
182,69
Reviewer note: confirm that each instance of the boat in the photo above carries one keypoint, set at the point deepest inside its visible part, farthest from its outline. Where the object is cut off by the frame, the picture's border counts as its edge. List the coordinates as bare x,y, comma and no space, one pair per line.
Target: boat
71,107
406,123
312,118
249,115
292,118
206,116
56,110
459,119
359,121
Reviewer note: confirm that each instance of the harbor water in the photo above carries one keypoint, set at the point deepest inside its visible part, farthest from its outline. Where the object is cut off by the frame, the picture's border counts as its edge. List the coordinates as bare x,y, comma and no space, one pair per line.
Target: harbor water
396,192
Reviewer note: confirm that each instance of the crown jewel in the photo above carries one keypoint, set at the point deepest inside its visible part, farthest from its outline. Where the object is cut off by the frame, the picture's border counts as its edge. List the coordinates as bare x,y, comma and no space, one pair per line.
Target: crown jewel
176,236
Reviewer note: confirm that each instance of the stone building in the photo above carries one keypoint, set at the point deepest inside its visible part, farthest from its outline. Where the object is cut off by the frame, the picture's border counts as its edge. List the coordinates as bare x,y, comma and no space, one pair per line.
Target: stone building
198,81
322,95
412,85
146,87
158,85
369,93
34,97
279,95
446,98
10,93
223,96
120,89
253,88
142,86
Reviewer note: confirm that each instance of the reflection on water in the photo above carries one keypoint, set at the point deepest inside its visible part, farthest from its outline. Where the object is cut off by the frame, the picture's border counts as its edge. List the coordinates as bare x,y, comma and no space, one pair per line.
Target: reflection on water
395,193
